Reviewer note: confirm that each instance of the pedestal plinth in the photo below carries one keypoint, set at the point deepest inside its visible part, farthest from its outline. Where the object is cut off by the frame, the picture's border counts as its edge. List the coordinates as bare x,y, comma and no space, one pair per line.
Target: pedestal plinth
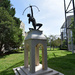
33,41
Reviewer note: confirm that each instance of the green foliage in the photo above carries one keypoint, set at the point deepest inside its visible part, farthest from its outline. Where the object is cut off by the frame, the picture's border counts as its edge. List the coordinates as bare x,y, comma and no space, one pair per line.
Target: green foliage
58,42
64,46
4,15
17,37
17,20
12,11
5,26
53,41
6,4
10,33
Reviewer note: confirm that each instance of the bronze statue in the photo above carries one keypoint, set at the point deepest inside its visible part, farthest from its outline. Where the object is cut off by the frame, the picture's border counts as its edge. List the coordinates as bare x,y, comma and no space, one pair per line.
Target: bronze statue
32,19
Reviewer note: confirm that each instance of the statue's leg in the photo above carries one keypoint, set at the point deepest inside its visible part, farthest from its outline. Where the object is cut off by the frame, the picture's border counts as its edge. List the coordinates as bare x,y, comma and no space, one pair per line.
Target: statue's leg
34,27
38,25
30,28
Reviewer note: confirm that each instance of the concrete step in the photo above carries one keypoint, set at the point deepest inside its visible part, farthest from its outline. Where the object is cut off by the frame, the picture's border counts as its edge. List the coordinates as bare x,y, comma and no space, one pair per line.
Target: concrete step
26,71
39,72
19,71
15,71
54,73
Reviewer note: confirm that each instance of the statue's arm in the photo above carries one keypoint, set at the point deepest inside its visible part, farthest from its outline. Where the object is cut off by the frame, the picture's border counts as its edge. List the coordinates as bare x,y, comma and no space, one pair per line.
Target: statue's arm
31,11
29,21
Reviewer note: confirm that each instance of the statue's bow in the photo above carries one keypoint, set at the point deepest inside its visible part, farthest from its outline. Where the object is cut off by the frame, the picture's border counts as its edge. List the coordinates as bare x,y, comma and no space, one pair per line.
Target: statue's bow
29,7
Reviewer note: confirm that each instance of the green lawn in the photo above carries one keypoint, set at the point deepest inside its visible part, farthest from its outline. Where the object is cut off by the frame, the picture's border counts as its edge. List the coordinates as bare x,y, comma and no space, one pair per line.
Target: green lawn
59,60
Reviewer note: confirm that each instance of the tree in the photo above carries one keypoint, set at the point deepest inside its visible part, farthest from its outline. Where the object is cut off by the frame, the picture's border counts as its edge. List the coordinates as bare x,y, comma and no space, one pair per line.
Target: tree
5,26
17,38
53,44
17,20
47,40
54,41
8,6
10,34
58,42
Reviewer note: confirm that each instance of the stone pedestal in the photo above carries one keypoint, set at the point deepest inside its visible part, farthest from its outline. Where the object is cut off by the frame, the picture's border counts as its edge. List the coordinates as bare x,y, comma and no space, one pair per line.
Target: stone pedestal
33,41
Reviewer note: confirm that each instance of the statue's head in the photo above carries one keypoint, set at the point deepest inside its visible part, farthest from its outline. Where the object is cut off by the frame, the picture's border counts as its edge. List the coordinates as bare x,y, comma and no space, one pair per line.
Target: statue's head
28,15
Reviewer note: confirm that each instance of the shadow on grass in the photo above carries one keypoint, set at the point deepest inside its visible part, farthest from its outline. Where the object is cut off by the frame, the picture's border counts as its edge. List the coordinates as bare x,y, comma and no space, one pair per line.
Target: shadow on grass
8,53
56,49
65,64
9,71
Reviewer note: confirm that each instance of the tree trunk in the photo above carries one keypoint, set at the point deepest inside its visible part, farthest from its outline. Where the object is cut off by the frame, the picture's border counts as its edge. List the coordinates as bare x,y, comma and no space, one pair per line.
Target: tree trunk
1,49
53,47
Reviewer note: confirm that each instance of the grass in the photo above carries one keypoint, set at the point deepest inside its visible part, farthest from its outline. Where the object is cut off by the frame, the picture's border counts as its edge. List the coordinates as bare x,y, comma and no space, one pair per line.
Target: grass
62,61
8,62
59,60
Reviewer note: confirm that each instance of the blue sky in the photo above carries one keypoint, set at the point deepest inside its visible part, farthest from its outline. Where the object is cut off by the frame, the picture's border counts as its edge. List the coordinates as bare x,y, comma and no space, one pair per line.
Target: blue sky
51,14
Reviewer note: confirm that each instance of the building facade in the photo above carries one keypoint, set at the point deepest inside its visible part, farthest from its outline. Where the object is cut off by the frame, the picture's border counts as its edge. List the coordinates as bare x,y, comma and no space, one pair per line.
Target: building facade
69,32
22,26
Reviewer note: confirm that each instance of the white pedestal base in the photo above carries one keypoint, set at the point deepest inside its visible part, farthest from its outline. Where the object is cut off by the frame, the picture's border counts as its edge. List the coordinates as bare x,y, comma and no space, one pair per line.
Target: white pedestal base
38,71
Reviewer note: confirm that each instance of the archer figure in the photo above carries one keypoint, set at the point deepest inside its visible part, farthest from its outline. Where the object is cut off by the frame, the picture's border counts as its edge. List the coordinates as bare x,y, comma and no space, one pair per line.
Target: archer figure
32,19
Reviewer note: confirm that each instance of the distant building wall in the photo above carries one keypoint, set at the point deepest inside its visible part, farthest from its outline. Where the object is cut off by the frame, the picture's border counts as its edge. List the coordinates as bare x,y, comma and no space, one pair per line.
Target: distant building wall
22,26
69,18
